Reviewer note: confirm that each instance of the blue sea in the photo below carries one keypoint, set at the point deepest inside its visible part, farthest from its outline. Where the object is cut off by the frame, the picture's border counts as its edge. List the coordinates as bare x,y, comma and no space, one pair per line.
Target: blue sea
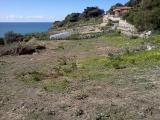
24,28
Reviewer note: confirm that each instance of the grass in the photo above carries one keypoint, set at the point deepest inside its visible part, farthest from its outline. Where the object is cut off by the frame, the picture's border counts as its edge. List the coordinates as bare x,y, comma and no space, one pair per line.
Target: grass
75,46
99,68
112,82
155,38
56,86
128,59
31,77
121,41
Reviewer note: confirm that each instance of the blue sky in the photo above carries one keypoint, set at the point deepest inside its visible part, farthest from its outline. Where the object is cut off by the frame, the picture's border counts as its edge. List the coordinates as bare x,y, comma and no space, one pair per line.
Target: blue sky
46,10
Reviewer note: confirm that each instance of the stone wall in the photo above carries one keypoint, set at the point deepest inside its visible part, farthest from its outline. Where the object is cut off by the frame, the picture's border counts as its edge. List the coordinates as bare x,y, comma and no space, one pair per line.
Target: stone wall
80,29
127,28
121,25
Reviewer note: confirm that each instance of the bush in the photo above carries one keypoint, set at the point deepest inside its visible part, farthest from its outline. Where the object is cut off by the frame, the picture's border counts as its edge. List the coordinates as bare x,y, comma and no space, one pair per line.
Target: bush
38,35
11,37
149,12
84,36
31,77
73,17
1,41
90,12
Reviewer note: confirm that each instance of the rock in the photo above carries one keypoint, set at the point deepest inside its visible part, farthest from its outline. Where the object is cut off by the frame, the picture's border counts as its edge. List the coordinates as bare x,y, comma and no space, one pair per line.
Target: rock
141,114
51,112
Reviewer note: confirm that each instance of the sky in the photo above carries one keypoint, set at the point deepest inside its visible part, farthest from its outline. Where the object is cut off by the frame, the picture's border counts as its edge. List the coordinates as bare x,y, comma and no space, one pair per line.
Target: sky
47,10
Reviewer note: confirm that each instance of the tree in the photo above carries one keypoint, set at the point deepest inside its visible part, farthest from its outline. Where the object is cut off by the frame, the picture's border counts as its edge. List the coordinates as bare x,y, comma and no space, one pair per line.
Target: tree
132,3
91,12
57,24
73,17
113,7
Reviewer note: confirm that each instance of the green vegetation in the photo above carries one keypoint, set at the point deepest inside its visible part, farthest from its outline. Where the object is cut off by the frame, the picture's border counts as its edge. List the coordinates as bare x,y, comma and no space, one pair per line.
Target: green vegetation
97,76
149,10
128,60
113,7
39,36
155,39
11,37
56,85
101,116
120,41
84,36
31,77
133,3
1,41
95,67
79,112
91,15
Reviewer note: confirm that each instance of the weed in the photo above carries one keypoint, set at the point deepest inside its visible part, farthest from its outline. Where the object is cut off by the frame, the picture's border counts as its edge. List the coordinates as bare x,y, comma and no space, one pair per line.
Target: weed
117,65
79,112
56,85
65,66
31,77
149,86
102,116
60,47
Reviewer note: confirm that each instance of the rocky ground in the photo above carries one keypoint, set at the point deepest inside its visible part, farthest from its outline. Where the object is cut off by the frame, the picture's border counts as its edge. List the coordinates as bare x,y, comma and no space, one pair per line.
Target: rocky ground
76,80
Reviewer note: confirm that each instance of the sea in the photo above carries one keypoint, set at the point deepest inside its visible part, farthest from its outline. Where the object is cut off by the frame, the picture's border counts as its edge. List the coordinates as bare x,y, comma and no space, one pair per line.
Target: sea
24,27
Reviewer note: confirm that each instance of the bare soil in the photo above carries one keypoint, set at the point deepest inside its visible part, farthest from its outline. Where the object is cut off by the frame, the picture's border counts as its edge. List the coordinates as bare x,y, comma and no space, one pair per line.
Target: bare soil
129,94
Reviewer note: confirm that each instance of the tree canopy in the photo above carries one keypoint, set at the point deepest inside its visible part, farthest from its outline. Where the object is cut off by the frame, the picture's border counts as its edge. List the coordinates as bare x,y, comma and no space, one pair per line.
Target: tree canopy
114,6
92,12
87,14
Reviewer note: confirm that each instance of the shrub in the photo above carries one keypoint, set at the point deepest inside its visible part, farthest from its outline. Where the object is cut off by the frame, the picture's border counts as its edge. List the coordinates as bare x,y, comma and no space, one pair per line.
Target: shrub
30,77
102,116
92,12
89,15
79,112
65,66
1,41
11,37
38,35
149,10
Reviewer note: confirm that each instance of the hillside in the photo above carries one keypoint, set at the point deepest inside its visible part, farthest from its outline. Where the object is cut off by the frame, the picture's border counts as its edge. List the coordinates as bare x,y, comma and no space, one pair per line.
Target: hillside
91,15
144,15
108,78
90,76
